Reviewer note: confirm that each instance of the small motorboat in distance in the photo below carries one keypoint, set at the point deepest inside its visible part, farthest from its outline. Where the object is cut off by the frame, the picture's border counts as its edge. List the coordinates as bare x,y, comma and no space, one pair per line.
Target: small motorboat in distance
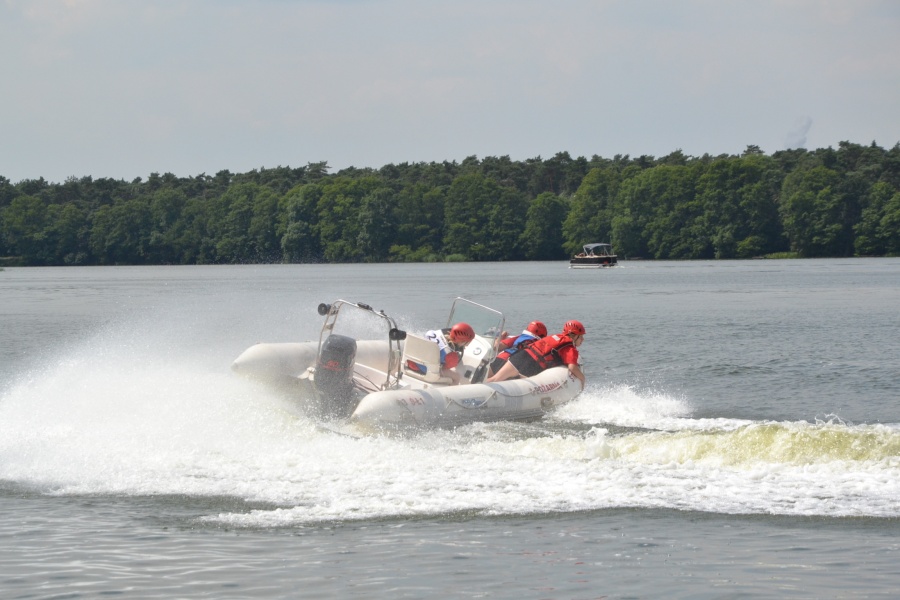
365,368
594,256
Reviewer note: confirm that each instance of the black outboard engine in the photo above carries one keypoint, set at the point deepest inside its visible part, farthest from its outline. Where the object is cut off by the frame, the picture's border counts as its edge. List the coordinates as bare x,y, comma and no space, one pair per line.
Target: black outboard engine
334,376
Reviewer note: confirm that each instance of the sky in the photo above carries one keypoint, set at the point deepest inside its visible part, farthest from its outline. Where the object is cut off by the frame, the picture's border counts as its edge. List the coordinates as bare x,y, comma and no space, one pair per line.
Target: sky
124,89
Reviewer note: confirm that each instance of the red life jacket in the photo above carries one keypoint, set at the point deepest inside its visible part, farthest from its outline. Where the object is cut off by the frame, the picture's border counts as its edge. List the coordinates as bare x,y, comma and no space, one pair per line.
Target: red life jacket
545,351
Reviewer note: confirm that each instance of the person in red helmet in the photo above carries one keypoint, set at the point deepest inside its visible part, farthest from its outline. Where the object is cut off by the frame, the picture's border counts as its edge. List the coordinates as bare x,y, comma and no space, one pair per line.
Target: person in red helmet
551,351
512,344
452,341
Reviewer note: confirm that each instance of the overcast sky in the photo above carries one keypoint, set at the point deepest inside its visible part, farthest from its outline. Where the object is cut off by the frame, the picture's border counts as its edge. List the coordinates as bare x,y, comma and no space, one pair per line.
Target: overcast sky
122,89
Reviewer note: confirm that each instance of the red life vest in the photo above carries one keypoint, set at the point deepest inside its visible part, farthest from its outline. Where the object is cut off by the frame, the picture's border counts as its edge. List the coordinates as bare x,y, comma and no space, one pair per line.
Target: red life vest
545,351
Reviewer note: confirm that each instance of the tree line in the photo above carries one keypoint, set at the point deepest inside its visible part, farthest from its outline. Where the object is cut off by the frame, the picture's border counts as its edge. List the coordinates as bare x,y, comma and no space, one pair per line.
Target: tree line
807,203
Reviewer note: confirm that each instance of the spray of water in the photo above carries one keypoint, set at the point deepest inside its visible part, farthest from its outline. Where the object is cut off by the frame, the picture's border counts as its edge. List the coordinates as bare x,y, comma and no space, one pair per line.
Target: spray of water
142,409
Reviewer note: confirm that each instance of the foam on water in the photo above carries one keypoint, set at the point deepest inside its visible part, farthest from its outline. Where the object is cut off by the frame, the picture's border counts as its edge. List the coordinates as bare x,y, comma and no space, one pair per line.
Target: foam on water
119,416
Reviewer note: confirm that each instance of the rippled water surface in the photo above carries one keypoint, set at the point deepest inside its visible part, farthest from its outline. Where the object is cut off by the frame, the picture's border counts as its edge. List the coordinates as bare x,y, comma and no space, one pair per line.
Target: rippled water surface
739,437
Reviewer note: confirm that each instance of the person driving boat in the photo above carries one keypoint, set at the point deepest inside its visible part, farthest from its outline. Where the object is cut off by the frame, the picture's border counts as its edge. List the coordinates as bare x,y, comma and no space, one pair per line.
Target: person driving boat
452,342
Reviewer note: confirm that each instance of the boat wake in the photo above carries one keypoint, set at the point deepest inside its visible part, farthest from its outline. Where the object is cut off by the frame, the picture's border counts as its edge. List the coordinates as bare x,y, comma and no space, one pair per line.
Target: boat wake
134,418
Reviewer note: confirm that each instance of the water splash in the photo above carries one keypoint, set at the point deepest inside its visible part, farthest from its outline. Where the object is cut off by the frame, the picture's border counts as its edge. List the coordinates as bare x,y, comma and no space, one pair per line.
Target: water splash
133,413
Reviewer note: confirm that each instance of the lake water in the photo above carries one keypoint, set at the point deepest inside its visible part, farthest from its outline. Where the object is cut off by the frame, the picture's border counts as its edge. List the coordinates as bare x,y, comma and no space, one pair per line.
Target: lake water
739,437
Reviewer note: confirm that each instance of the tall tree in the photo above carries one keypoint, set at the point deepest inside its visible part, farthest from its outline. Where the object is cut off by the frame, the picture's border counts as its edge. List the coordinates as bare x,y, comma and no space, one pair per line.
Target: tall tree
592,209
337,211
230,223
377,228
66,239
298,224
167,225
22,226
466,231
739,196
505,222
661,214
889,226
419,214
543,238
812,210
120,234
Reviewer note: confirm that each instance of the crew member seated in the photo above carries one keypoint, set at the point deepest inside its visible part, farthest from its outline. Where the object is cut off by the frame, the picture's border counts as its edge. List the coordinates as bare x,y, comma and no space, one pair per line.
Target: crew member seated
512,344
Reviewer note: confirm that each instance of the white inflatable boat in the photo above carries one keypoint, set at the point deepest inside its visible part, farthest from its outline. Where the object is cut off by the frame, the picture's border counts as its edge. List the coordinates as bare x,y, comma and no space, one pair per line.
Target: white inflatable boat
366,368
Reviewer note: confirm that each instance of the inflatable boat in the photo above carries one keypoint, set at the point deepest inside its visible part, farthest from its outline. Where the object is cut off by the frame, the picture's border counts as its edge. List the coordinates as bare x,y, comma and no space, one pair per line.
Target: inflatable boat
363,367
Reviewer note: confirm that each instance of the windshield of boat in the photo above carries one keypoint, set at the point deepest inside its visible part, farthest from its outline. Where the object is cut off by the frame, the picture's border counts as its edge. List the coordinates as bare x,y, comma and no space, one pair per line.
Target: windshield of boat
361,322
486,322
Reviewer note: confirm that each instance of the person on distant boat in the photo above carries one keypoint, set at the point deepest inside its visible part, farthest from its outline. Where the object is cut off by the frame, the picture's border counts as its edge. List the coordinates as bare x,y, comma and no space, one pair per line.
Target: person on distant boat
452,343
512,344
551,351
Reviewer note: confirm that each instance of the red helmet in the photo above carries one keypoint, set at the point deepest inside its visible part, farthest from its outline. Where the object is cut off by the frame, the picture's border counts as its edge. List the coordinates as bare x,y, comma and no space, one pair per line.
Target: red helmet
537,328
574,328
462,332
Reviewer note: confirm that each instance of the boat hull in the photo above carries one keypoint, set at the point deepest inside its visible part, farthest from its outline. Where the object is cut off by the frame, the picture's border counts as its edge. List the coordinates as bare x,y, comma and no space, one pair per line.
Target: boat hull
598,262
518,399
414,404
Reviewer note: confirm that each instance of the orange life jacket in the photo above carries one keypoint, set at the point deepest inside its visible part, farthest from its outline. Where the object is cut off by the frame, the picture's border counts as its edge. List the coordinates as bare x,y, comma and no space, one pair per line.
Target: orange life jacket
545,351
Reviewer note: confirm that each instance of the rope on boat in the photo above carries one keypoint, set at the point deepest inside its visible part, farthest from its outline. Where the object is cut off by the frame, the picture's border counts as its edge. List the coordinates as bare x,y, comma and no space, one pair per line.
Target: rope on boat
481,403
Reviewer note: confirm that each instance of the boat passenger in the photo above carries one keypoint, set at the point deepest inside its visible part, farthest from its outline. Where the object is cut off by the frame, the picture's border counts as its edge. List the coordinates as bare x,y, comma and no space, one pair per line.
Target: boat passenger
551,351
452,342
512,344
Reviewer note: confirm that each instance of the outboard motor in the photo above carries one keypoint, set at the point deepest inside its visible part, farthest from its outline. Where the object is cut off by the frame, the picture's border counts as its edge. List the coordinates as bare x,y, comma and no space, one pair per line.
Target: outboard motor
334,376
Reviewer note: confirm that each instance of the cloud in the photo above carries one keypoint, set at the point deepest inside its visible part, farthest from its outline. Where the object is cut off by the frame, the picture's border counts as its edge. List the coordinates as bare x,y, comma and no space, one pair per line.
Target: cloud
122,89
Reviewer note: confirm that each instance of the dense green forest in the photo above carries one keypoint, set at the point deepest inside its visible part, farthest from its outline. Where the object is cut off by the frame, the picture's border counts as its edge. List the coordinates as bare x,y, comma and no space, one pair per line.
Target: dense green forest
806,203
